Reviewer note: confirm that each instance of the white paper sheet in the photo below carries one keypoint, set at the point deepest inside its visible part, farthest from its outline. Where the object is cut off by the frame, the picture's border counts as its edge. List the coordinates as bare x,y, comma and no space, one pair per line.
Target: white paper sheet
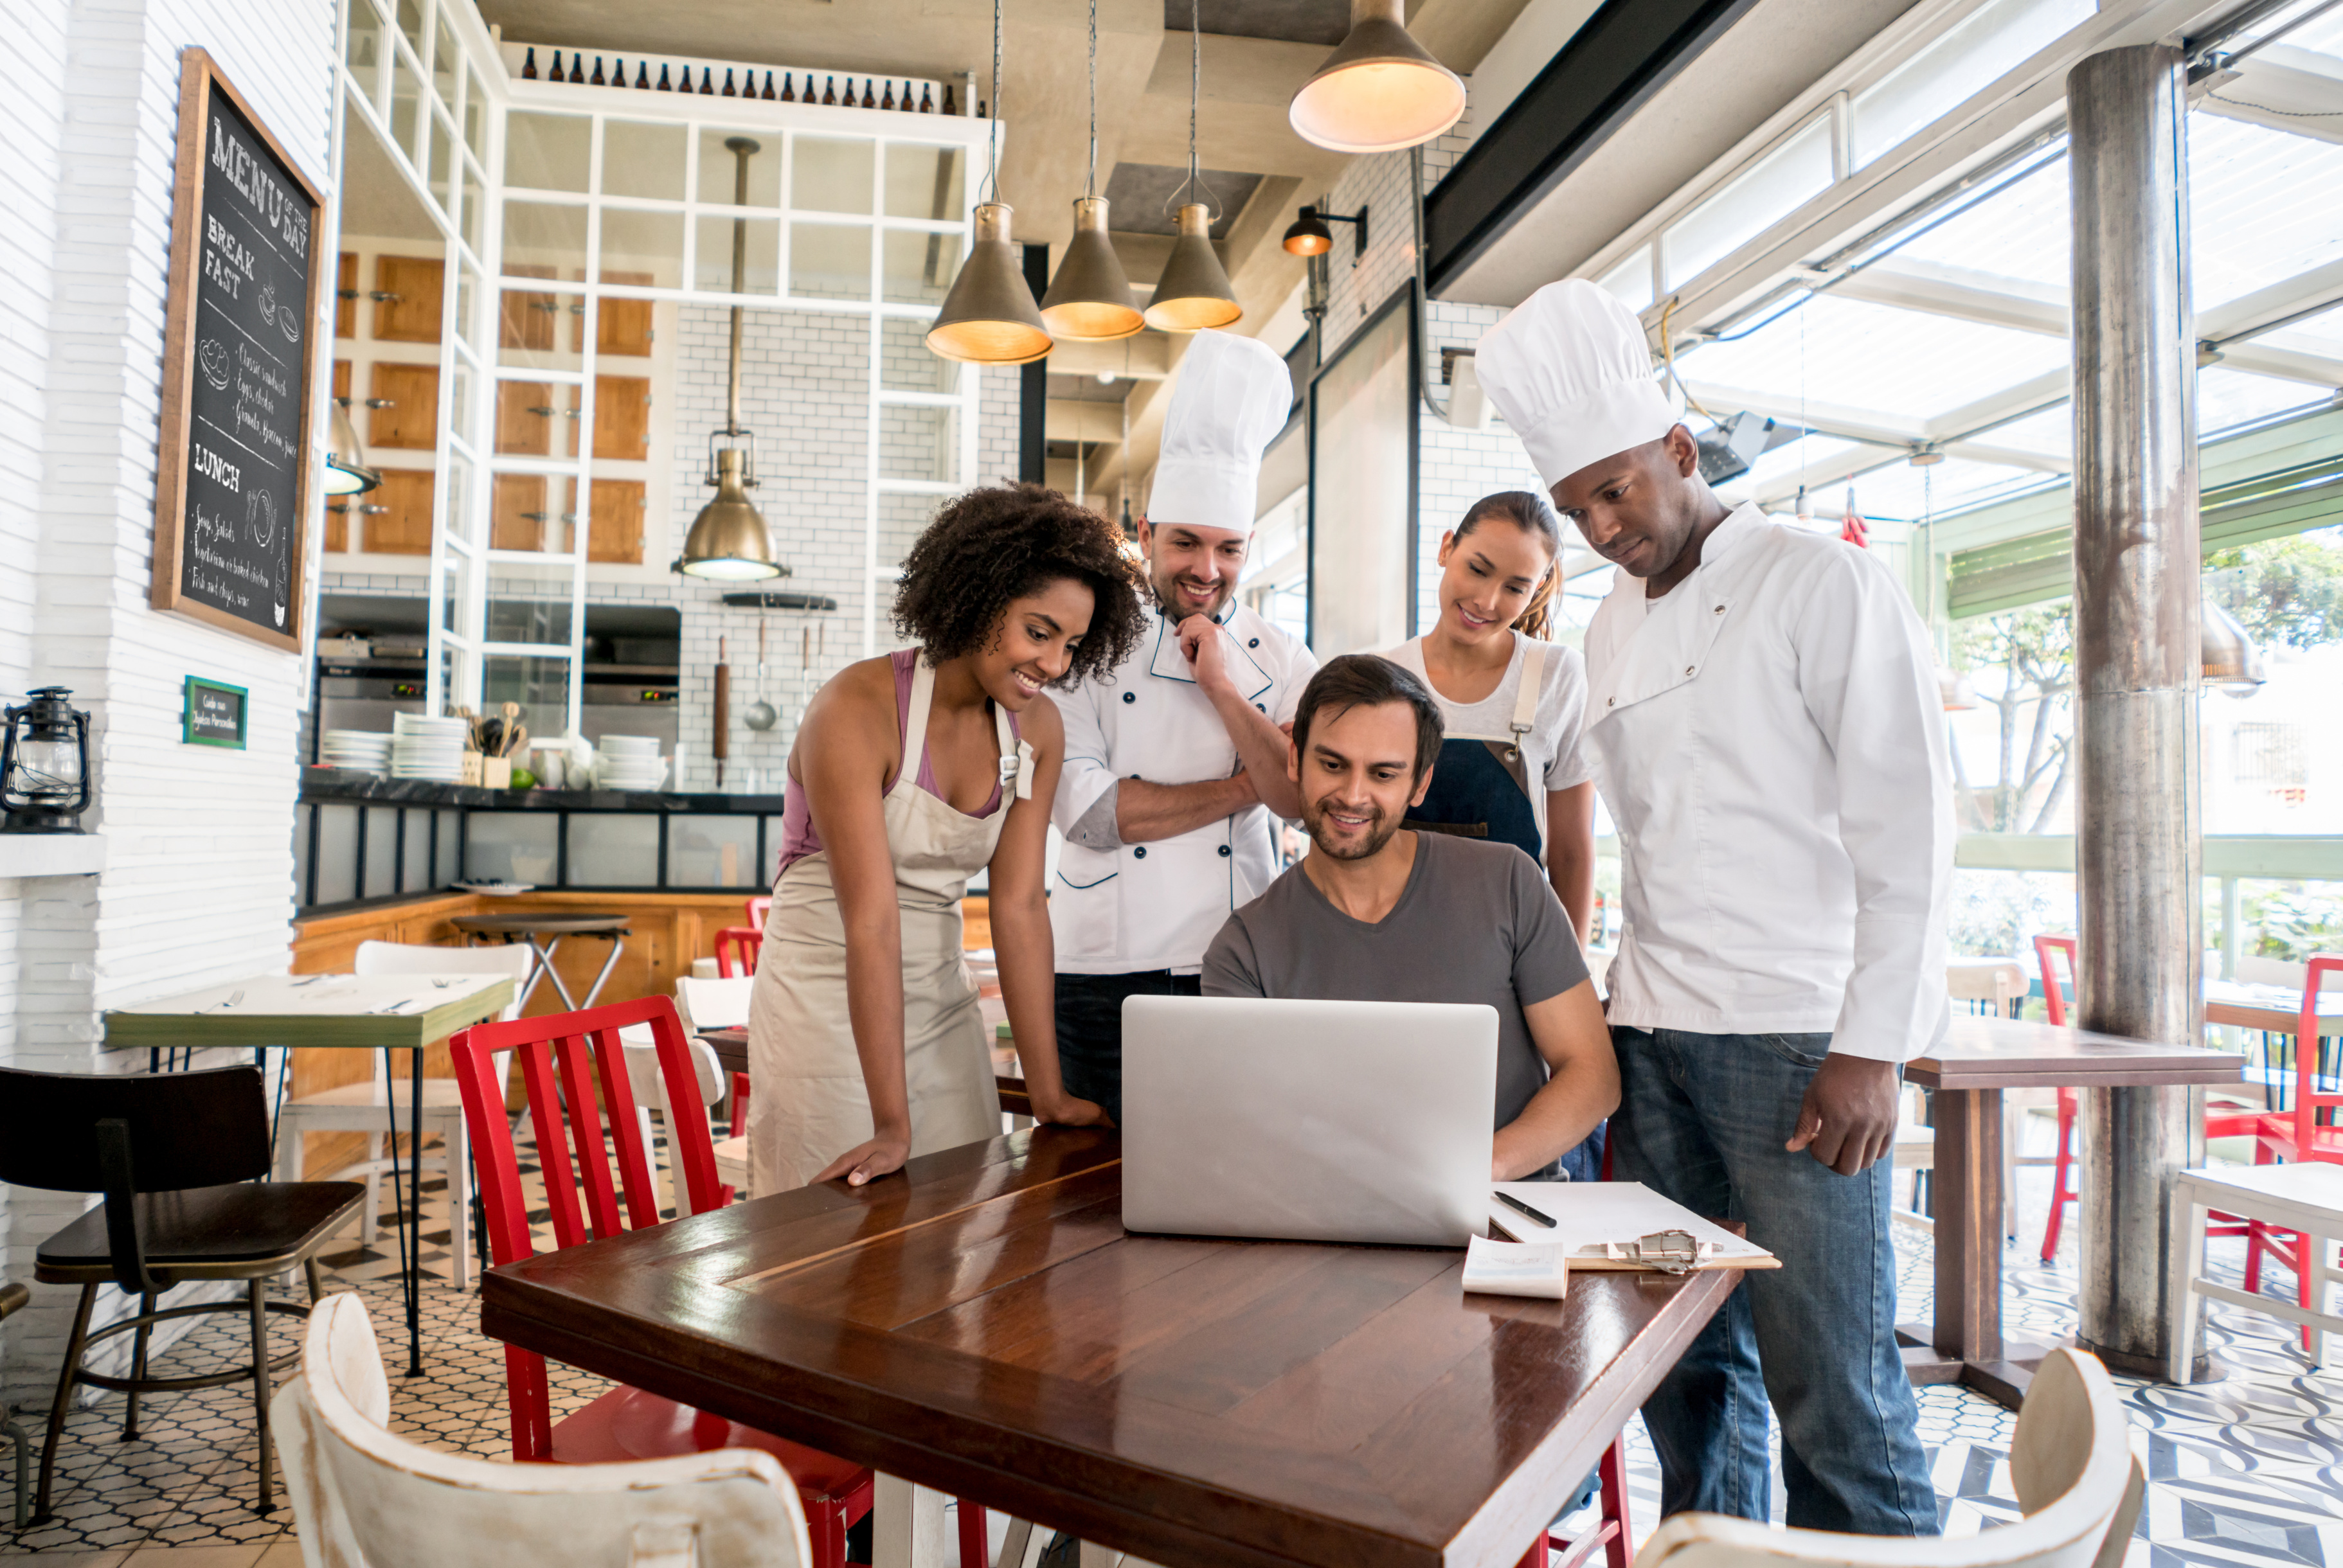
1515,1268
1587,1215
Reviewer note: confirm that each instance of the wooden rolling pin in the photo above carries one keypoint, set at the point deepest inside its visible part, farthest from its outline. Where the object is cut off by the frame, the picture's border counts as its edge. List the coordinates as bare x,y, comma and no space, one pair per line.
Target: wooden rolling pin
721,745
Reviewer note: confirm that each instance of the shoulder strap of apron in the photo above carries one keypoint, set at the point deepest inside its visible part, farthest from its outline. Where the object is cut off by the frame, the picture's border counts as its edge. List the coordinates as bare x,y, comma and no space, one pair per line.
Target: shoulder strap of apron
915,722
1016,756
1525,701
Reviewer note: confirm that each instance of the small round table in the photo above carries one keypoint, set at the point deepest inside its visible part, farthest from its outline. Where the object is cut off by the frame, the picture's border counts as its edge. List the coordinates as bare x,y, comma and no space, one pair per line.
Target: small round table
545,934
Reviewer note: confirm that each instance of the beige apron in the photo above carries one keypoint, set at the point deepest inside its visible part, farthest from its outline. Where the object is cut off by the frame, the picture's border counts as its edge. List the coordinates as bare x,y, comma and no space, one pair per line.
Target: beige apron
810,1104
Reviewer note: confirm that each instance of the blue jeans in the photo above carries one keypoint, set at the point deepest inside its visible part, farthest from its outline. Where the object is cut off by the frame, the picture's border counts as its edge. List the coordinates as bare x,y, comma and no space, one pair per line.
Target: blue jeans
1703,1119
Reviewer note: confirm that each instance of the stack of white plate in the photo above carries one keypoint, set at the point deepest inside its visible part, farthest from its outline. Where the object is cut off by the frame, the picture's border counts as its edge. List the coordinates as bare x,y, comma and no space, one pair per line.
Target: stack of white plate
631,762
362,750
427,747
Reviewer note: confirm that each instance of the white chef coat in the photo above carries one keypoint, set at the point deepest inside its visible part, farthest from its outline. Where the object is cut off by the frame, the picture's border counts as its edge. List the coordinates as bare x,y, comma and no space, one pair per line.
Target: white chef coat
1158,905
1770,739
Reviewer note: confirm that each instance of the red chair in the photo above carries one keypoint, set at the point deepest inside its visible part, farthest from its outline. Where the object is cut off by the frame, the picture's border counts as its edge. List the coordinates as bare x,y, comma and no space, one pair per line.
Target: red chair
740,1128
2297,1134
1611,1528
2230,1124
574,1070
757,909
735,951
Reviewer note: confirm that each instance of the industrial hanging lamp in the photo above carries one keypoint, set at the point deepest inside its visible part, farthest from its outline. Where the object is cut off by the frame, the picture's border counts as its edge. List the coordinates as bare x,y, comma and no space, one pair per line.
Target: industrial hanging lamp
989,317
1380,91
1194,292
1090,300
347,470
2231,661
728,541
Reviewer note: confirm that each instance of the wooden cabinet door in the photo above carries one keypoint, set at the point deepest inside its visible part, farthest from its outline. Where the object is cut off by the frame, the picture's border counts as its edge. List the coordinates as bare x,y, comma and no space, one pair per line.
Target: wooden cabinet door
525,418
411,423
524,316
622,416
403,528
412,315
616,528
517,512
623,325
345,296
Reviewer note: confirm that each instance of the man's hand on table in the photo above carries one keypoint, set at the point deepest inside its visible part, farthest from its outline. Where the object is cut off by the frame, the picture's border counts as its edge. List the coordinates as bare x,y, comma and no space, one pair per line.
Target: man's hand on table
1069,1112
1848,1119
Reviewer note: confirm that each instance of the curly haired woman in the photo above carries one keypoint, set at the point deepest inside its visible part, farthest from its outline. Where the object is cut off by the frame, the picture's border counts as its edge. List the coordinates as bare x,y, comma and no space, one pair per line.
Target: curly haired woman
910,774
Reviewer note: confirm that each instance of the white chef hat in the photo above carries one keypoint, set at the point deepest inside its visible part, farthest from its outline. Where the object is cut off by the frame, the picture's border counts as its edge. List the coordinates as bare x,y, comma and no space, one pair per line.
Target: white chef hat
1571,371
1234,395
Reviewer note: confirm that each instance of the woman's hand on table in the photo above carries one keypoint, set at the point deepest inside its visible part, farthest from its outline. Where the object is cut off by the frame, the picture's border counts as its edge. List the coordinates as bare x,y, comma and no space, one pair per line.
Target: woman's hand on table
867,1162
1069,1112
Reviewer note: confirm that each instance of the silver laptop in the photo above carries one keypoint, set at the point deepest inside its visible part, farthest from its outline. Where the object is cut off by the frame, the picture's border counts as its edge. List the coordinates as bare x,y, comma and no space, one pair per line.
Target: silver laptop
1308,1120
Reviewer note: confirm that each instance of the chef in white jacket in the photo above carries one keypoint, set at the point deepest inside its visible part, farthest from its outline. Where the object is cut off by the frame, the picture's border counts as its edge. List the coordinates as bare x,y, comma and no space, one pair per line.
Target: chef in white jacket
1175,765
1763,723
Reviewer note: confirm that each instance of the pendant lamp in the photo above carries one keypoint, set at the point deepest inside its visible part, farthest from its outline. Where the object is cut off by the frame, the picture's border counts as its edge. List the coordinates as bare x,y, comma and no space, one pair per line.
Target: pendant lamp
728,541
989,317
1380,91
1090,300
347,471
2230,659
1194,292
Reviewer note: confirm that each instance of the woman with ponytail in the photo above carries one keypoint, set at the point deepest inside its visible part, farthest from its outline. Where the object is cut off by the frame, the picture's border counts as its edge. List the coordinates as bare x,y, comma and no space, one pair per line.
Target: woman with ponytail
1514,702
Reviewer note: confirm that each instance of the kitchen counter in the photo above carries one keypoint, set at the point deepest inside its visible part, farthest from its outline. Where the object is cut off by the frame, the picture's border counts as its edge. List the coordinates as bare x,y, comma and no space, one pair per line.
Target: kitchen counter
343,784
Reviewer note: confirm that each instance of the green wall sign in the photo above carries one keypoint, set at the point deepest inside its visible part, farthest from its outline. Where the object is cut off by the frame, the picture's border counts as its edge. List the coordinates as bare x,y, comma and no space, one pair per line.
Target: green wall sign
214,713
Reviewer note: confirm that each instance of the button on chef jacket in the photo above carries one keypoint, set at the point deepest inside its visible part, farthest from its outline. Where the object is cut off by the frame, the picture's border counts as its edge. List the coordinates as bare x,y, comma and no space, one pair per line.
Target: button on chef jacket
1158,905
1769,738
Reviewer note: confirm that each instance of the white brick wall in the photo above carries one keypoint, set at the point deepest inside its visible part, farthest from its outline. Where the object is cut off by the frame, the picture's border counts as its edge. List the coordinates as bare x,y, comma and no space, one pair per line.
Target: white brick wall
198,884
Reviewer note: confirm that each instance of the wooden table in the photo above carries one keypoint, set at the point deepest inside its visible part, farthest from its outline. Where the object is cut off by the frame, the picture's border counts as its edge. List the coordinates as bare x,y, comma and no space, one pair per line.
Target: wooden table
348,1012
1981,1057
984,1326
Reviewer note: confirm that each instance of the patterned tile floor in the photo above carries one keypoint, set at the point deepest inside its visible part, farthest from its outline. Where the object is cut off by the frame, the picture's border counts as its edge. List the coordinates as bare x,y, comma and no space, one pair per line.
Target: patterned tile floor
2245,1472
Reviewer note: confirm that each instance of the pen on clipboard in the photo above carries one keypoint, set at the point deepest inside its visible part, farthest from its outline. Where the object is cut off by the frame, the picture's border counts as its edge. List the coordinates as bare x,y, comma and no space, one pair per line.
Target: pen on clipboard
1510,1201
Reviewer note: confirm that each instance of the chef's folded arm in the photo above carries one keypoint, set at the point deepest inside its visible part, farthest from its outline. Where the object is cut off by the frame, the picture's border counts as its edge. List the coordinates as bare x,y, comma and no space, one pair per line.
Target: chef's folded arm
1867,676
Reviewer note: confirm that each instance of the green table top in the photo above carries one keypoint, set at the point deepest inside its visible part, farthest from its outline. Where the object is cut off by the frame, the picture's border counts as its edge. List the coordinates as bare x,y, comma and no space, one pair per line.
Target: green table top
355,1012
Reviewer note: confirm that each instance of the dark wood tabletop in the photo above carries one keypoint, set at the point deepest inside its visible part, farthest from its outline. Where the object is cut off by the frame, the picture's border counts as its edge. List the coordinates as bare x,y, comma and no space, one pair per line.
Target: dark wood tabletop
571,925
1985,1052
983,1325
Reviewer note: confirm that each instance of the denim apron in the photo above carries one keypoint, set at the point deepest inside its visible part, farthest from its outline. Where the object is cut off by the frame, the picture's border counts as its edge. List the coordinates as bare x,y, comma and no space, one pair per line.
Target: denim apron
1480,790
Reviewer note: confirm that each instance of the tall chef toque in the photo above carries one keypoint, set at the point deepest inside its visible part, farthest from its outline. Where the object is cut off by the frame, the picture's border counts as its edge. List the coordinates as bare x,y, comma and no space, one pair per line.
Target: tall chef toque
1233,399
1571,371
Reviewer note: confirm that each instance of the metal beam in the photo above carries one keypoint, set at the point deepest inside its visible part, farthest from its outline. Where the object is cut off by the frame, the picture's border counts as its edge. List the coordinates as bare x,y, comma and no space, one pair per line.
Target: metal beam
1839,420
2138,858
1949,291
2028,397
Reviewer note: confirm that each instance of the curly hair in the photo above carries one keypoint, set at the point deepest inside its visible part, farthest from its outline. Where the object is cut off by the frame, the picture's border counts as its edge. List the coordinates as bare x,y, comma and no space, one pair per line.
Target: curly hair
1003,542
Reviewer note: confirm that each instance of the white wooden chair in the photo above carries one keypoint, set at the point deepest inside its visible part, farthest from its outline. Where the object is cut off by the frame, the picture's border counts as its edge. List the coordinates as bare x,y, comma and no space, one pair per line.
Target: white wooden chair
2305,1197
2070,1462
707,1004
1914,1150
363,1497
649,1086
361,1107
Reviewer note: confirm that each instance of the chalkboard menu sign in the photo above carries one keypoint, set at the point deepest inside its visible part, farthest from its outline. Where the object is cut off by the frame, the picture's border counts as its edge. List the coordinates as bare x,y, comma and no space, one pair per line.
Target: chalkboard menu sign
232,499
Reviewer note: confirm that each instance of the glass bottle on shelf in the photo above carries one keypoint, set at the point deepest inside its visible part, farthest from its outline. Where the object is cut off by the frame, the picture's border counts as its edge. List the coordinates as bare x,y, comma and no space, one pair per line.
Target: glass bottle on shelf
950,107
768,92
529,66
869,99
557,67
707,82
642,76
830,90
888,102
727,92
789,89
598,79
664,85
577,68
926,100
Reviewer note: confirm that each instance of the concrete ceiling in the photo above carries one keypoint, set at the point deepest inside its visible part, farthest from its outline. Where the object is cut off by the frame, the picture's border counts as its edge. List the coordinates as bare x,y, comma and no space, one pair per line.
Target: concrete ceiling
1254,55
1141,194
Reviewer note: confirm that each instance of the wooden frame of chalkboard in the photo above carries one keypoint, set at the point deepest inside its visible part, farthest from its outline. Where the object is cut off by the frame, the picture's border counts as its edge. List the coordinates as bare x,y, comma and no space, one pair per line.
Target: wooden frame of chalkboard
238,474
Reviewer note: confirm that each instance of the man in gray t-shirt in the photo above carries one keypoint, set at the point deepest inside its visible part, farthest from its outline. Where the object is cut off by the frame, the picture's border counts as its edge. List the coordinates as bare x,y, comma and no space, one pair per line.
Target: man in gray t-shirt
1375,913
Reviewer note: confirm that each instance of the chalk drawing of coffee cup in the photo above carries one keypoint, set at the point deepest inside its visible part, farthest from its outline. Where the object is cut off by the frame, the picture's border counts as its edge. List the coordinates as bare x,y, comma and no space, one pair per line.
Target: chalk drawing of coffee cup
212,357
267,302
260,517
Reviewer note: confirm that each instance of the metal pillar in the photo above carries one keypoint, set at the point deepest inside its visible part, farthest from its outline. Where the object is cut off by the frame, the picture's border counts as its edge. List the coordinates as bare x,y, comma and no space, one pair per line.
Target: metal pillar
2136,851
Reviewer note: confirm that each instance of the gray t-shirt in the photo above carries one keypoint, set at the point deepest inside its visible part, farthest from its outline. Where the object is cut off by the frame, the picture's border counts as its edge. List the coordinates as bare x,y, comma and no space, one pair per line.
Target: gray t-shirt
1478,922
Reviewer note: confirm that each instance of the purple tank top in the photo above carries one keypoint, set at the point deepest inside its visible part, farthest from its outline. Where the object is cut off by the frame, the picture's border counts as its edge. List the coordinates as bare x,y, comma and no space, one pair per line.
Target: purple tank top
799,838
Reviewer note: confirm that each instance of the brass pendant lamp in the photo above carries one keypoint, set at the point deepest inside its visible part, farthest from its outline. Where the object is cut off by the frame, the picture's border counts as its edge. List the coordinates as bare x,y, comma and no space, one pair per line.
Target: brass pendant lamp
728,541
1194,292
989,317
1090,300
1380,91
347,472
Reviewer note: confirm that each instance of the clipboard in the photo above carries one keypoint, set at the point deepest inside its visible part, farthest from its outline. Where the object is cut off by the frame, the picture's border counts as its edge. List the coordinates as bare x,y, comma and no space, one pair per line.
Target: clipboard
1599,1223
